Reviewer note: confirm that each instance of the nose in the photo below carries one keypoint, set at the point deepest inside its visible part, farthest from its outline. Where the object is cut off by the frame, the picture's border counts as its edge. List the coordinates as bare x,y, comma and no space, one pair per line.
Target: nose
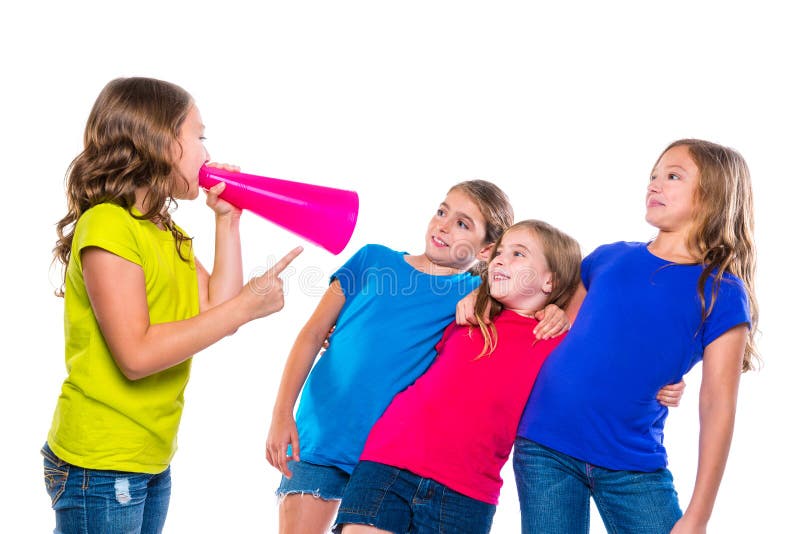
445,225
654,185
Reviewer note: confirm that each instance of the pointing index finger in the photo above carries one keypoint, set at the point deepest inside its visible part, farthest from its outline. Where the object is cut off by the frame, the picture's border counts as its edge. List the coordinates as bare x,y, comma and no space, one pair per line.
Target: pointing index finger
285,261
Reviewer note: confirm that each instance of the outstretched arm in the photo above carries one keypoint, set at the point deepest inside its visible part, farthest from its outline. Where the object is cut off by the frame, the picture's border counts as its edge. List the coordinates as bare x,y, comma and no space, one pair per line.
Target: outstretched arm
140,348
283,429
722,367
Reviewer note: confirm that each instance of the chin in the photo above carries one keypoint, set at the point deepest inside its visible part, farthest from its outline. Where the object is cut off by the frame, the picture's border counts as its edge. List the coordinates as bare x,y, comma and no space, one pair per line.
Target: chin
496,293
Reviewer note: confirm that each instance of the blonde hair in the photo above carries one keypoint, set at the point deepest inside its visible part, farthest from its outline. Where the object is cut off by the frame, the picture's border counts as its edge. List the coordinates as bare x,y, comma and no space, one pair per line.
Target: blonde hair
563,256
129,142
722,227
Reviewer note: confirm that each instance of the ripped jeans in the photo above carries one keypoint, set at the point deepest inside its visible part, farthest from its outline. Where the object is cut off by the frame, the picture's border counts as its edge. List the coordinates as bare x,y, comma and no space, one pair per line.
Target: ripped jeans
94,501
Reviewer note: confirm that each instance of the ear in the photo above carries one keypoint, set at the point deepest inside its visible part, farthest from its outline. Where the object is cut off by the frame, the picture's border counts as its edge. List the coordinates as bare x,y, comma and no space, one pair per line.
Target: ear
485,253
547,287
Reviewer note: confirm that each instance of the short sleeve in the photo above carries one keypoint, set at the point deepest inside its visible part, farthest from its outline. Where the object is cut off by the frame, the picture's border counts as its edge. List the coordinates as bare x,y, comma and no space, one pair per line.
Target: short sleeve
349,274
586,267
731,309
109,227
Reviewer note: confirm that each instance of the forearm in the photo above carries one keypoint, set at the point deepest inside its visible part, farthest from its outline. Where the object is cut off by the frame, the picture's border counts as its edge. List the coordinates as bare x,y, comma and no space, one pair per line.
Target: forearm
716,433
226,277
164,345
298,366
306,348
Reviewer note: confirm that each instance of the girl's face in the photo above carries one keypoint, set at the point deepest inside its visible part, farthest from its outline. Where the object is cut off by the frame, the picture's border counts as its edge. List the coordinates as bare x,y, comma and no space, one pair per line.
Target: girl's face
671,192
190,155
456,232
518,274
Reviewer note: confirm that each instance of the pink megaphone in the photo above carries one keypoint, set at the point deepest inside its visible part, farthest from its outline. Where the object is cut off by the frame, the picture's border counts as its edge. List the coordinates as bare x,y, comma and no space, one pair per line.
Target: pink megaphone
322,215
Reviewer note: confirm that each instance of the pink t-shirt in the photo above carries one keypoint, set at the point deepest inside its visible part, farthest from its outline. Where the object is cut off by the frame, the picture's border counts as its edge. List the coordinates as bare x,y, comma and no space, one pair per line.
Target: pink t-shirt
457,423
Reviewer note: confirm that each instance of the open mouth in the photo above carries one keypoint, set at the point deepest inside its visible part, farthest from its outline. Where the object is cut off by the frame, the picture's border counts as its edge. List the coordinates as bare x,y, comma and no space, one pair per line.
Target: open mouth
438,242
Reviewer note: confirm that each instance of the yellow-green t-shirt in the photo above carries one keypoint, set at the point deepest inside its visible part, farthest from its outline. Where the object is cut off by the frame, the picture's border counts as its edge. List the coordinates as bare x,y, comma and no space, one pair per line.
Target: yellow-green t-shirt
102,419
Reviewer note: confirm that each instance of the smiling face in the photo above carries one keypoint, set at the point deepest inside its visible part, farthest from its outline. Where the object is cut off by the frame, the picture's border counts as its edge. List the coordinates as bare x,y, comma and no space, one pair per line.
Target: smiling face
671,191
190,155
519,277
456,233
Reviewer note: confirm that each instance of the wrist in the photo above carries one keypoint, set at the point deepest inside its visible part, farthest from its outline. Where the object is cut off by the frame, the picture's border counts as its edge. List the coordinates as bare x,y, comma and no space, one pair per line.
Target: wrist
228,219
695,517
282,410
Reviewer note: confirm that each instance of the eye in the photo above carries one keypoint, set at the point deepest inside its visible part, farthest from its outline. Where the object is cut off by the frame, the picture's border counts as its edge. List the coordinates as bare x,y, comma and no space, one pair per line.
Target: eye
519,254
203,138
652,177
440,212
674,177
463,225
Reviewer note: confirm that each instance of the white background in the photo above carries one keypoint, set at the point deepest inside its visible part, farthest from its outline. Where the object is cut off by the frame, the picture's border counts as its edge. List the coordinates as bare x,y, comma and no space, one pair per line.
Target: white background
565,105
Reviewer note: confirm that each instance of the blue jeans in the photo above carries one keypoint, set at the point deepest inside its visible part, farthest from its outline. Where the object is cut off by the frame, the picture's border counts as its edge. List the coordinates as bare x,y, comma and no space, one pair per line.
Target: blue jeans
554,491
322,481
90,501
399,501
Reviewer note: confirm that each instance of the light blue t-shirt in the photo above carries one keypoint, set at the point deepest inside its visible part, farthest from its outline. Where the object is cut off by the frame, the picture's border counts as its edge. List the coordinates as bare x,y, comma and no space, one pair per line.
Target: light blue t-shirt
385,338
638,330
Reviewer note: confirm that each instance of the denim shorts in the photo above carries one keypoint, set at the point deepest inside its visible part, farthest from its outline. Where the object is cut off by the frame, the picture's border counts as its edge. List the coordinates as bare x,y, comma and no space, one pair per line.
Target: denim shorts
92,500
323,481
397,500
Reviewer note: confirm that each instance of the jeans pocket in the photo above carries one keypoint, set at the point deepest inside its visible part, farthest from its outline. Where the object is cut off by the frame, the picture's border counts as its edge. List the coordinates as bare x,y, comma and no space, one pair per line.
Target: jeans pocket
56,472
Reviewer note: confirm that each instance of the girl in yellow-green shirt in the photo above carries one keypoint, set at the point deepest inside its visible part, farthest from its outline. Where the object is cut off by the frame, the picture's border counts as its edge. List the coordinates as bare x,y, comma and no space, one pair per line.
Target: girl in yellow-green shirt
137,306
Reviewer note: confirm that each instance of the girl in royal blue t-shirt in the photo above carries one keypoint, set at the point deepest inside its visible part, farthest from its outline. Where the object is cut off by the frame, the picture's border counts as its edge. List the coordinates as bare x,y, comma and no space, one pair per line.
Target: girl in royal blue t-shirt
651,311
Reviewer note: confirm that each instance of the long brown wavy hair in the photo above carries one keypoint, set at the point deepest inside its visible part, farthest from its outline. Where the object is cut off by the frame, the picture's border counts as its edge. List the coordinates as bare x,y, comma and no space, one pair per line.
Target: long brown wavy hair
128,143
722,227
563,256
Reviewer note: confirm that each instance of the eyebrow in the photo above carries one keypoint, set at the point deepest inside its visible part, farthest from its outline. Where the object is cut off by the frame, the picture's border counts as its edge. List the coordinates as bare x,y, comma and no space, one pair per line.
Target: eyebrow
515,245
519,245
460,214
676,167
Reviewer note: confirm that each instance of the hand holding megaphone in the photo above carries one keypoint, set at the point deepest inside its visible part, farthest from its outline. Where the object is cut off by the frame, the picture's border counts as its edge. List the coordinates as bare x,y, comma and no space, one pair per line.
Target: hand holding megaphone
325,216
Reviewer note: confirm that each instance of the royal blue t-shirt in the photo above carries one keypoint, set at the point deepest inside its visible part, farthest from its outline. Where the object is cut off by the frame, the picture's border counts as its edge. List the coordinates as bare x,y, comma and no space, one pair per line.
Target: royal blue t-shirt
385,339
639,329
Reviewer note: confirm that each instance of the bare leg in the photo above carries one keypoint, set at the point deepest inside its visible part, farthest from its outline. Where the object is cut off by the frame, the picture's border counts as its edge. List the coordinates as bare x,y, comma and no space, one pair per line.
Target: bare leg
300,513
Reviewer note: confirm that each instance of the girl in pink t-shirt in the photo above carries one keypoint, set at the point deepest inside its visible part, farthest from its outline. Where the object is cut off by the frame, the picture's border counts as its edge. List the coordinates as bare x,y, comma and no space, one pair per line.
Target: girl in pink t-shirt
433,460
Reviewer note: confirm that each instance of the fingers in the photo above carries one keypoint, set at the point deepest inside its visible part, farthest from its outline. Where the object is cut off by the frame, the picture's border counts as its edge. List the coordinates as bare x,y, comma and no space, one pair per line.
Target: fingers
327,341
670,396
295,447
284,262
216,189
460,317
226,166
280,461
555,330
668,400
277,456
552,322
465,314
213,193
